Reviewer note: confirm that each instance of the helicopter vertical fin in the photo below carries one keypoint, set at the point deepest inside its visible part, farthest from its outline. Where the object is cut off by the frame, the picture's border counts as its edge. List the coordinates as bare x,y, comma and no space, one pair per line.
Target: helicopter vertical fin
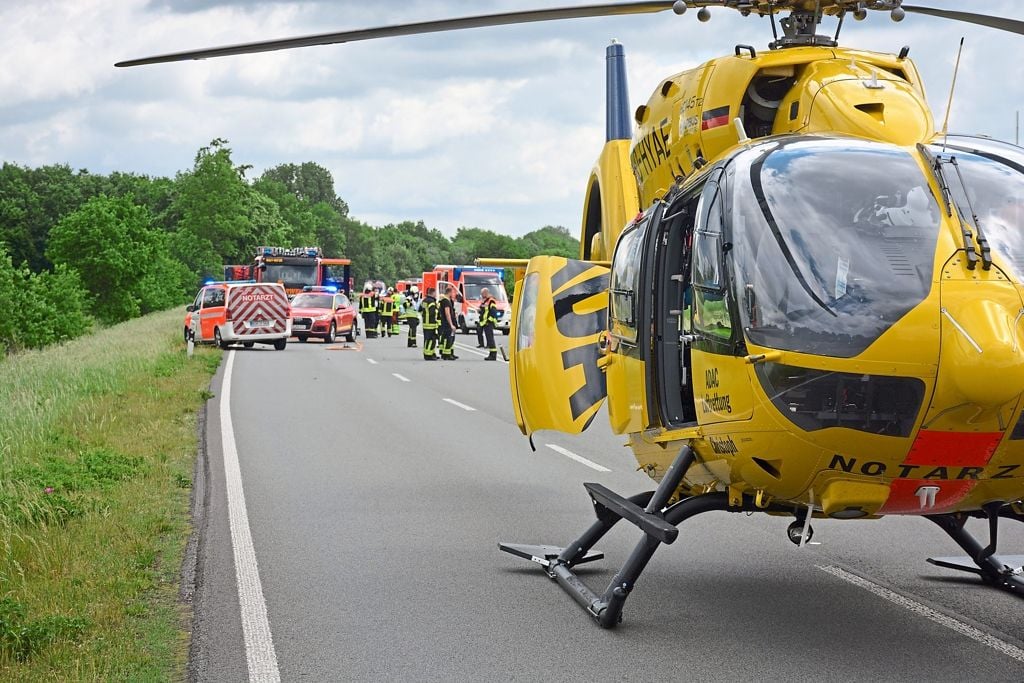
559,312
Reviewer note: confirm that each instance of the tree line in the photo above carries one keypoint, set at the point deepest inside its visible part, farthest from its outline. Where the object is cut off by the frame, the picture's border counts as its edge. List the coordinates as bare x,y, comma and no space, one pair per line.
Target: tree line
79,249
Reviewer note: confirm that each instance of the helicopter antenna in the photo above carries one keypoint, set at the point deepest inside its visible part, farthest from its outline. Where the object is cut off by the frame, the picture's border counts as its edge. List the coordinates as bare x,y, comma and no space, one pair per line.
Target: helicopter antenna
949,104
839,28
775,33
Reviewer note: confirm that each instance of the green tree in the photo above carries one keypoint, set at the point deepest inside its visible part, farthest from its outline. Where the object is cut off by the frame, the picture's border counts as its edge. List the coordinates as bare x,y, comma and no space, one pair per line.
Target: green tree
550,240
213,204
309,182
43,308
111,246
470,244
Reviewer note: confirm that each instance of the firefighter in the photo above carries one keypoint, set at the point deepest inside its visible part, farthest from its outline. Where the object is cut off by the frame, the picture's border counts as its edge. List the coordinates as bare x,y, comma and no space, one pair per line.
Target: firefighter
446,313
396,310
368,310
376,312
412,319
479,325
488,321
386,308
428,312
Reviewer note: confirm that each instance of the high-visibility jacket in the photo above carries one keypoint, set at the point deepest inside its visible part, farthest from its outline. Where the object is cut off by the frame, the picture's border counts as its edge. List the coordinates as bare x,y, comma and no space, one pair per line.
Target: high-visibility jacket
409,310
489,317
387,306
428,313
366,303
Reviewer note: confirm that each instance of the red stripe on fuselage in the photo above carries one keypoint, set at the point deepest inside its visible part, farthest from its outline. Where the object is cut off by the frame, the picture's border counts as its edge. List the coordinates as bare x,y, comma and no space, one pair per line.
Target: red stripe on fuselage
953,449
903,498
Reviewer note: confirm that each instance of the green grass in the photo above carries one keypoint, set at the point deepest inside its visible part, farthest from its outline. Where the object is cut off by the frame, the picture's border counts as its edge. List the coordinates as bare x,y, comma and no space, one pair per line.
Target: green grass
97,443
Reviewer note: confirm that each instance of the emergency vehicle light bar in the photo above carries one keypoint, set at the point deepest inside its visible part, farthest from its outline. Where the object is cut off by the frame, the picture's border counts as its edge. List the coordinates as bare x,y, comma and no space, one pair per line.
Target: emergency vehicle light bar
311,252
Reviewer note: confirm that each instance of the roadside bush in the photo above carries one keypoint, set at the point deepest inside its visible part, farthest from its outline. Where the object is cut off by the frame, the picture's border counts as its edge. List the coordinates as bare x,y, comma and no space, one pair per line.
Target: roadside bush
42,308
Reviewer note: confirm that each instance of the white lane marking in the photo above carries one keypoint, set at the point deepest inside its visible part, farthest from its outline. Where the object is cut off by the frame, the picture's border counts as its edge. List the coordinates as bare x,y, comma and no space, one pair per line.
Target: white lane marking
371,361
404,379
471,349
477,351
578,458
460,405
927,612
259,643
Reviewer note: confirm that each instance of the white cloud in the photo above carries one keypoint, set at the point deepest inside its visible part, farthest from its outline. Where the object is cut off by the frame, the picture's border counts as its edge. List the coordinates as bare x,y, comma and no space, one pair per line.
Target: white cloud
492,127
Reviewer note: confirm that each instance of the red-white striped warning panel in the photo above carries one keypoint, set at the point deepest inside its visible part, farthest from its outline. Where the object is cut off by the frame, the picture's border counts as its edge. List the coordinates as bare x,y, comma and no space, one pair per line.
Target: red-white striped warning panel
258,309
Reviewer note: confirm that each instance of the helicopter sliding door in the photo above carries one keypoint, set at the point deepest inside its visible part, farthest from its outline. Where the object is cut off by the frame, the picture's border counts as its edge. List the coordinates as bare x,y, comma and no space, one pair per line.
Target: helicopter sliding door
671,362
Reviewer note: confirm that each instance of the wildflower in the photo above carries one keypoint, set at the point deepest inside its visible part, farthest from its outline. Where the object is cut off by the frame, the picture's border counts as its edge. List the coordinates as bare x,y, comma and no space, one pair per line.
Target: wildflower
48,489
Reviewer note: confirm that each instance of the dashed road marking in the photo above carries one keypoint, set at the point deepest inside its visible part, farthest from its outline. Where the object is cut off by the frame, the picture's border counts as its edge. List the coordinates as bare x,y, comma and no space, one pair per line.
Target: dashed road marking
401,377
259,643
960,627
371,361
578,458
460,405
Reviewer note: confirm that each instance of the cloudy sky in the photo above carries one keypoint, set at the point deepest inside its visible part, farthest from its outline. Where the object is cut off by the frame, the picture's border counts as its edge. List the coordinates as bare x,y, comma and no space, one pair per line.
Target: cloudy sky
494,128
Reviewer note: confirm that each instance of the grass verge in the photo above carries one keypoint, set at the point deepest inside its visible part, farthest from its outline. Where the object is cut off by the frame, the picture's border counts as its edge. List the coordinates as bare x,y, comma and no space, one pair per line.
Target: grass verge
97,444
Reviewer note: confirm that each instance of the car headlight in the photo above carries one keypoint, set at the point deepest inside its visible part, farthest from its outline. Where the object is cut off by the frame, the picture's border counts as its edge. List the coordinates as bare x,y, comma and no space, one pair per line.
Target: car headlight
322,318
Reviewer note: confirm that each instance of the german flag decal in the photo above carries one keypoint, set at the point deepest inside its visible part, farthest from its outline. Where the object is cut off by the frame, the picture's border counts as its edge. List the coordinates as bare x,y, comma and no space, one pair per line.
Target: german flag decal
713,118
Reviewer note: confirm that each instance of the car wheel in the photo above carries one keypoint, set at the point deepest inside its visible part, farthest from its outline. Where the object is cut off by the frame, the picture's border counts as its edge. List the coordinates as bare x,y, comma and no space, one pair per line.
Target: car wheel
218,340
462,324
280,344
302,337
350,336
505,332
332,334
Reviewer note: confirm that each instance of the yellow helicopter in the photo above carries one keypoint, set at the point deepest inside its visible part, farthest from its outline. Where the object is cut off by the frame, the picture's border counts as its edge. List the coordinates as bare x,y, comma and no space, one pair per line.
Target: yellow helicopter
798,296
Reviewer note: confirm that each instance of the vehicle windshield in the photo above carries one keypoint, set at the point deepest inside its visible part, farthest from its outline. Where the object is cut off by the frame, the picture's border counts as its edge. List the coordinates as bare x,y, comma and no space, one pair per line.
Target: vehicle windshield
995,194
473,284
298,275
834,241
312,301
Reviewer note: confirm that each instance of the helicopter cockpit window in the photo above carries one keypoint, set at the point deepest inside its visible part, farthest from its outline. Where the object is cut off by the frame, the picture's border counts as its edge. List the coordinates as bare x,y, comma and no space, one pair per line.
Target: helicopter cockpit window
834,241
625,282
995,192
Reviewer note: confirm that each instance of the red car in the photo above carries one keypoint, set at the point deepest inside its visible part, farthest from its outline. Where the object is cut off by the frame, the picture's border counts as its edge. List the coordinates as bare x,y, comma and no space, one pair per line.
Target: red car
323,314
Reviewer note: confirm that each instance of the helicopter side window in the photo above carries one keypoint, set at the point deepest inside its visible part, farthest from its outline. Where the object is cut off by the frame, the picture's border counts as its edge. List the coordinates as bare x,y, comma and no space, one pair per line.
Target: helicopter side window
625,282
711,317
992,192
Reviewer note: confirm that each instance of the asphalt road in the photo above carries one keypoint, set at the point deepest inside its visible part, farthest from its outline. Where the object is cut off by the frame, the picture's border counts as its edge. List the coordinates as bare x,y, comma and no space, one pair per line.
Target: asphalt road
377,486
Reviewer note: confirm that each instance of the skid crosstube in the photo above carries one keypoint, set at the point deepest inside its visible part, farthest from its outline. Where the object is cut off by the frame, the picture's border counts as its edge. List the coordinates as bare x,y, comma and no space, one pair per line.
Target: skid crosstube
1000,571
656,521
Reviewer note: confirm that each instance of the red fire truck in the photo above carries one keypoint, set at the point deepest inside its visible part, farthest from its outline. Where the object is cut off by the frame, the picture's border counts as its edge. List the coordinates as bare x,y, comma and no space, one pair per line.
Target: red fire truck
300,267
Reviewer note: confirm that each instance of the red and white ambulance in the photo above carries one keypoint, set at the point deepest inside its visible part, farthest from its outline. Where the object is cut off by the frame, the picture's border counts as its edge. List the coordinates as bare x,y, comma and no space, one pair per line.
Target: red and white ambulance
244,313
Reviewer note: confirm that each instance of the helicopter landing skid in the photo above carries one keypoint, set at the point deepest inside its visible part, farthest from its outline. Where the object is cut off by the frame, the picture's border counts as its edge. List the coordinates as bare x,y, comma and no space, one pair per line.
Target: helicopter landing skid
999,571
658,523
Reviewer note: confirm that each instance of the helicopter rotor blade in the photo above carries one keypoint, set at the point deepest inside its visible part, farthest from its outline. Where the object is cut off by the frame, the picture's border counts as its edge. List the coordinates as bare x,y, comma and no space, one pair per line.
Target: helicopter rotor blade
1001,23
551,14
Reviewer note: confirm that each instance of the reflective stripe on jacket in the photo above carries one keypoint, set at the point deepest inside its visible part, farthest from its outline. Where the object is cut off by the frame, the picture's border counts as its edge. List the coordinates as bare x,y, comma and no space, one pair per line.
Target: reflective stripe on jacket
428,312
